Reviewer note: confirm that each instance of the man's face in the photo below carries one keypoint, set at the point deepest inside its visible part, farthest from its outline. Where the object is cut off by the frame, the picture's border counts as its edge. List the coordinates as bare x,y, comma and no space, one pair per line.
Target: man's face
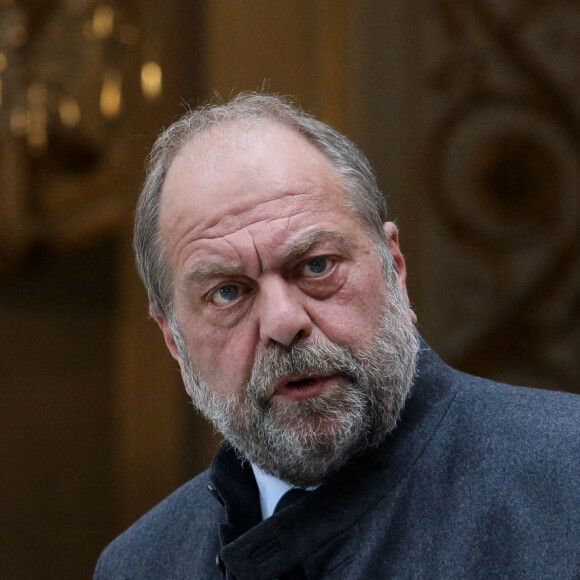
266,259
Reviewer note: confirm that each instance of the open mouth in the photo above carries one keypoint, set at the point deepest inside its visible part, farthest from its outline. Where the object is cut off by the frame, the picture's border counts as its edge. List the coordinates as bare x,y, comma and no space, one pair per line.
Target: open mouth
302,387
300,382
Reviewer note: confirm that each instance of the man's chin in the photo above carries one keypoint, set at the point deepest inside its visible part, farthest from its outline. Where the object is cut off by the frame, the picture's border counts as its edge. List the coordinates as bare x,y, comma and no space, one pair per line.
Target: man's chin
310,431
313,457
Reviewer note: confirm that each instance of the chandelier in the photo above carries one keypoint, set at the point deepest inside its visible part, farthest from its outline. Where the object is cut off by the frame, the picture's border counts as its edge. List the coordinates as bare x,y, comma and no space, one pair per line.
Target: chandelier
67,63
76,79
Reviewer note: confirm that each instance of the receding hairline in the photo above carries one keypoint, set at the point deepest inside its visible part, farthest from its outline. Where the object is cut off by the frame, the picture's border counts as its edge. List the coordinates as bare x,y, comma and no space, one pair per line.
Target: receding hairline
215,135
203,147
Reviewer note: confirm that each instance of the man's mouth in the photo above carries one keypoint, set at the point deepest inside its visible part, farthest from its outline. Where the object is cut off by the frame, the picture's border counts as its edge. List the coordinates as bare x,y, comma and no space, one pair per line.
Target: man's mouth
300,387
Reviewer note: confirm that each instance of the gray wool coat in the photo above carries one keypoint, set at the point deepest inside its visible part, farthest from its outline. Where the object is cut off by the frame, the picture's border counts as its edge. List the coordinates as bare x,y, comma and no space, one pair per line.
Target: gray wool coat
479,480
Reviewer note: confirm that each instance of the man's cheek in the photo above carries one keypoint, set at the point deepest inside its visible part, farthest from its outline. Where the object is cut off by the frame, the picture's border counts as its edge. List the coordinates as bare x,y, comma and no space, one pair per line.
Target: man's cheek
228,360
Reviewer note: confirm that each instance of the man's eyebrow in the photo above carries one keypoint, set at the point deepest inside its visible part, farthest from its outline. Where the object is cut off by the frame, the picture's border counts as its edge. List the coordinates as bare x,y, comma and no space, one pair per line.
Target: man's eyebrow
301,247
211,270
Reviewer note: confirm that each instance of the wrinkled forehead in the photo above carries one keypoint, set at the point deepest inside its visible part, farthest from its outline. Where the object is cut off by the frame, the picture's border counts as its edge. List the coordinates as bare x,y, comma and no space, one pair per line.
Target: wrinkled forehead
243,171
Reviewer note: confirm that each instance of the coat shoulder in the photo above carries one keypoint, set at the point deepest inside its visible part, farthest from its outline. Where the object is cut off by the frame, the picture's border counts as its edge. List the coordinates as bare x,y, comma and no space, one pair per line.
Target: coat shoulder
481,413
511,408
516,430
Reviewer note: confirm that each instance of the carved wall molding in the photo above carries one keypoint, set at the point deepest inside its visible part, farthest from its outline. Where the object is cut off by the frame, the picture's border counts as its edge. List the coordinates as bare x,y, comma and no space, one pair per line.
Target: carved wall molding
502,123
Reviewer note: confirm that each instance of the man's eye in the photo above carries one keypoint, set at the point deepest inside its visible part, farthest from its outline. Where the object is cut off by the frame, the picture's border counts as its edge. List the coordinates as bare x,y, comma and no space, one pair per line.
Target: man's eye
226,294
316,267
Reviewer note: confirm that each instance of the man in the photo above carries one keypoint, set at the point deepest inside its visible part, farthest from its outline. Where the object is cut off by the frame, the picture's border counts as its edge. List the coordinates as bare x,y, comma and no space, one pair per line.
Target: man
279,286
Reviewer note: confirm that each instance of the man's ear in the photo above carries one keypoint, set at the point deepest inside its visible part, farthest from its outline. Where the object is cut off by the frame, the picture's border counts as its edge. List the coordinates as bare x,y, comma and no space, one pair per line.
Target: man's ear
392,234
166,330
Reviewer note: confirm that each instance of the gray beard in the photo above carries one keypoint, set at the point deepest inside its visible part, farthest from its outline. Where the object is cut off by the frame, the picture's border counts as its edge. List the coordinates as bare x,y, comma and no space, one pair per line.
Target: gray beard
305,441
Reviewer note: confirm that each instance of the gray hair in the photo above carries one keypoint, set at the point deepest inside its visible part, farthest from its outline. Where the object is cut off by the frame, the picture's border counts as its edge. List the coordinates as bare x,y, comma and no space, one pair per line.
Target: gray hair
363,194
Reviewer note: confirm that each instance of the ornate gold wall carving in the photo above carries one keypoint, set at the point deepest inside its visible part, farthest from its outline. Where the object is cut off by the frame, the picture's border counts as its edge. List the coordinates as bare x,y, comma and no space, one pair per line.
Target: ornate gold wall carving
502,128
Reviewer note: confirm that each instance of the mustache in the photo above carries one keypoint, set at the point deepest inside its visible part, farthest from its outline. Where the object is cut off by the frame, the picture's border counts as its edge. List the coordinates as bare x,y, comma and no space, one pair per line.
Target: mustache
315,357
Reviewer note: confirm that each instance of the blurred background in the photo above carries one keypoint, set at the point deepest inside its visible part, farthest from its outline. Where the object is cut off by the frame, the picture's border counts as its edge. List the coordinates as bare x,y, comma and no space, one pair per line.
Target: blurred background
469,111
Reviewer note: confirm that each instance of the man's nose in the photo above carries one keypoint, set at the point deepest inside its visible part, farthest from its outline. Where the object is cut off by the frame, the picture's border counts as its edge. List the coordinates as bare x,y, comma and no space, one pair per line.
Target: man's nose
283,318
